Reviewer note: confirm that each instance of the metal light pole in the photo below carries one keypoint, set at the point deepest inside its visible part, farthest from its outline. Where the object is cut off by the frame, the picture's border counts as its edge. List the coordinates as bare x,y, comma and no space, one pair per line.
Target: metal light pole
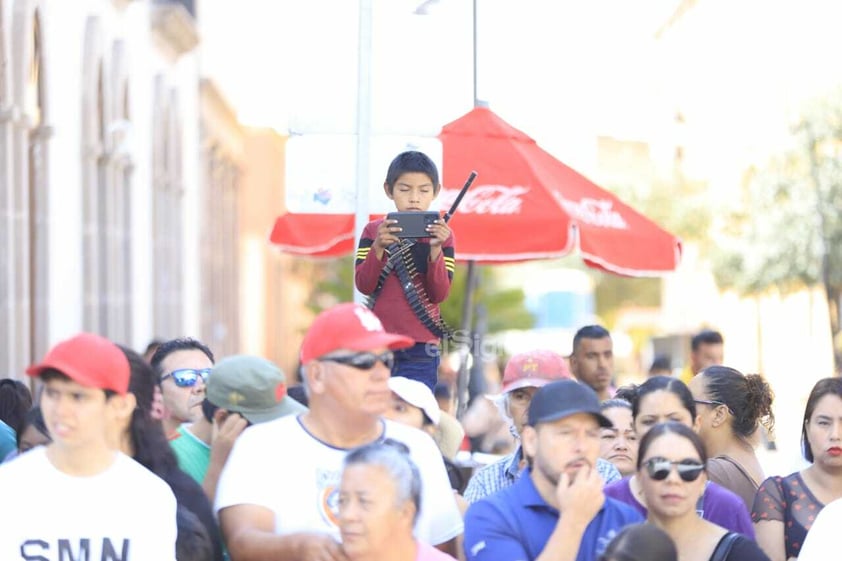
463,377
361,212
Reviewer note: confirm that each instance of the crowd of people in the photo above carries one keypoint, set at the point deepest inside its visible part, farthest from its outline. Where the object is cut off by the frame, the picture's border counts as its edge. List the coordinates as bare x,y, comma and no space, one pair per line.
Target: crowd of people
175,456
219,462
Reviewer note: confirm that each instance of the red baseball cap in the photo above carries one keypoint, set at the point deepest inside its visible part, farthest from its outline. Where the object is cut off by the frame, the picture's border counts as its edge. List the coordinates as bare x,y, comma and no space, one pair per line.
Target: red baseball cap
348,326
534,369
89,360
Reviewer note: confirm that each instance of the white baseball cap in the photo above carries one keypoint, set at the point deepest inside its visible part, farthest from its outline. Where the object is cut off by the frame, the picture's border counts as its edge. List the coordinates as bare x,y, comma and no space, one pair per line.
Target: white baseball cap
417,394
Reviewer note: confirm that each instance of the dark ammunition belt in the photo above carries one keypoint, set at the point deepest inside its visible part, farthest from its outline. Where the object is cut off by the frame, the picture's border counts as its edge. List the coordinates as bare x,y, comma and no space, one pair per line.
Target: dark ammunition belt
400,260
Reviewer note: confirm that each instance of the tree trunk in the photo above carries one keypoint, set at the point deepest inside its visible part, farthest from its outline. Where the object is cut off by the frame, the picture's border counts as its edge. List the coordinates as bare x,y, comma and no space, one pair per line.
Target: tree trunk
833,293
831,290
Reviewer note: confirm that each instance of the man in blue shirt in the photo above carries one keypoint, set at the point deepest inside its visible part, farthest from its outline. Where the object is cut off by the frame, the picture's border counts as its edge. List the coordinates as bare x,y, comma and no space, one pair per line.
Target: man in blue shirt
557,509
524,374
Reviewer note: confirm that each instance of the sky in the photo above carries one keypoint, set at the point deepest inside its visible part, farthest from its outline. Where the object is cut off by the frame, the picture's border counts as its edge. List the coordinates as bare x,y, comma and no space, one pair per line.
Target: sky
562,71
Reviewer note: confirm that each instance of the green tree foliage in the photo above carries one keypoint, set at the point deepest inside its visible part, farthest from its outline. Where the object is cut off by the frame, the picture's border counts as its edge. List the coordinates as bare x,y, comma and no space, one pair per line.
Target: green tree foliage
505,307
613,293
788,232
333,282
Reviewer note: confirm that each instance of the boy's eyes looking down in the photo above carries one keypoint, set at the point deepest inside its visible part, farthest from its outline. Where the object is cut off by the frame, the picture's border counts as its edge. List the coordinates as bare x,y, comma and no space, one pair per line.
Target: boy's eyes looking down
407,188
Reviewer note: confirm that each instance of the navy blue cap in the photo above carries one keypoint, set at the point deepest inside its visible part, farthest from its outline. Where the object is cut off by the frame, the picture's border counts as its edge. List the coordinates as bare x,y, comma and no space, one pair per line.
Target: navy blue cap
564,398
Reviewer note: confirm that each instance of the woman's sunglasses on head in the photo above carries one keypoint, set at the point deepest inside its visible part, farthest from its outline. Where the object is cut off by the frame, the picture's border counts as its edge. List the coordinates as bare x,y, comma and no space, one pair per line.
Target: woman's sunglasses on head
187,377
660,468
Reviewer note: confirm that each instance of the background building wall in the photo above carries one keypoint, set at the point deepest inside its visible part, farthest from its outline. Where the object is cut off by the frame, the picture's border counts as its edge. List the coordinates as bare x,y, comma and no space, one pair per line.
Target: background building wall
106,67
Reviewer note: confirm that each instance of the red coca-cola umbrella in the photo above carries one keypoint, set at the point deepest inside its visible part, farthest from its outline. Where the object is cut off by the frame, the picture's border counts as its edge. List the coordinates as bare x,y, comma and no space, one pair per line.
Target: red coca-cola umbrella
314,235
525,204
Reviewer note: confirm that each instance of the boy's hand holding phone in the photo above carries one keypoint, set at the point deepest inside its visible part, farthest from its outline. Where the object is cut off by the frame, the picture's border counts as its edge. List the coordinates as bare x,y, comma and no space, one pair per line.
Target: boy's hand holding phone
439,232
386,236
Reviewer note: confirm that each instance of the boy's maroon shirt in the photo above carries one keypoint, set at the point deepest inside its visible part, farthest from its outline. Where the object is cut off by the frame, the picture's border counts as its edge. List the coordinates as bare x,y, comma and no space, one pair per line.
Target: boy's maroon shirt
392,306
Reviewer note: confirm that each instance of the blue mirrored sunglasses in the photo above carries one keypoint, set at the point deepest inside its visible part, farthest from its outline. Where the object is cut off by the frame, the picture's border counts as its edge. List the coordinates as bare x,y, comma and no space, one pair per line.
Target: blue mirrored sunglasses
364,361
187,377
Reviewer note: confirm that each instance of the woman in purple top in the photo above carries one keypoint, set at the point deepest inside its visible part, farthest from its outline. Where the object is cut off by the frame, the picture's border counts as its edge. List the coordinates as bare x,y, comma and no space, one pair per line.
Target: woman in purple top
663,398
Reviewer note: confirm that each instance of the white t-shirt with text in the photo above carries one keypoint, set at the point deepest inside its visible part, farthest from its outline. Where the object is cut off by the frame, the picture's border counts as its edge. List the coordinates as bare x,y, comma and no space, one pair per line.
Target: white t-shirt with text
125,513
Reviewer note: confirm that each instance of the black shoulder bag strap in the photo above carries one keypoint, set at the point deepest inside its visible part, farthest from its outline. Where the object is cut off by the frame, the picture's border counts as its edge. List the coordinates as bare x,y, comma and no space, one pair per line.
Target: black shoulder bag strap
723,548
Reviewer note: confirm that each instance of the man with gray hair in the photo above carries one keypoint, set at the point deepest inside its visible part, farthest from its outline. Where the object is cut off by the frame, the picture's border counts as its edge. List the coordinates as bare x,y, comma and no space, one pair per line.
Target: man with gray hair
278,494
379,502
524,374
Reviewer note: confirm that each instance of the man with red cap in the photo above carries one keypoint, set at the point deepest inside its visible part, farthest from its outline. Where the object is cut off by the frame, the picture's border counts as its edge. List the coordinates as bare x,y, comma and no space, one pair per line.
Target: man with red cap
524,374
77,497
277,496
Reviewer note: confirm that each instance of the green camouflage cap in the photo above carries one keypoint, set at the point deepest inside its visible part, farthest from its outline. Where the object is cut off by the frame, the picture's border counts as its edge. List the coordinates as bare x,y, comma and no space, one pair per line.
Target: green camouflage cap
251,386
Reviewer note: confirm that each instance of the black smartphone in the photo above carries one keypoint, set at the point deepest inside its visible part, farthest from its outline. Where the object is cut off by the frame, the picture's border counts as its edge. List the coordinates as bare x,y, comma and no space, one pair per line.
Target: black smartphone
413,223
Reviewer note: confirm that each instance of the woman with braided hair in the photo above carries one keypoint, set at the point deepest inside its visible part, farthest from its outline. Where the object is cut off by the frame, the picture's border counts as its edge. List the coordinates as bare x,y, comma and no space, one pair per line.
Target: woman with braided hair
732,406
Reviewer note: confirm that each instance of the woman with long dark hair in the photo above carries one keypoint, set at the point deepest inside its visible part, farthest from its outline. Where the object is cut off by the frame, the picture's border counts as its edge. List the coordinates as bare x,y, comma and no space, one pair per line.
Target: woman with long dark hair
143,439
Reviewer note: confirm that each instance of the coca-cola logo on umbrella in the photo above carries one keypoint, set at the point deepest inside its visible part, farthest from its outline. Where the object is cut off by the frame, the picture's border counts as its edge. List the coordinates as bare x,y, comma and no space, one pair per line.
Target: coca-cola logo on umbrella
594,212
487,199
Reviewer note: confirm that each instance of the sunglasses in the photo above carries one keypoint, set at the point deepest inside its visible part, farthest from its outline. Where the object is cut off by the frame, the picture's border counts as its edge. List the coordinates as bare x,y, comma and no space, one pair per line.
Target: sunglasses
713,404
364,361
660,468
187,377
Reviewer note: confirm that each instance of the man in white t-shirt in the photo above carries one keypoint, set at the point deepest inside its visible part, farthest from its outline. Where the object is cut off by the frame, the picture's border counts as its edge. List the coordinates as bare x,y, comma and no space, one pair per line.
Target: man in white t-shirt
277,495
78,498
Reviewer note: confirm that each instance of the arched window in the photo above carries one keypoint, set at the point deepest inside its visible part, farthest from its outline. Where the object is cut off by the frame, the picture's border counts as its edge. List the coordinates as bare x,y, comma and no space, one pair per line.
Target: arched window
93,148
115,210
5,210
220,248
167,196
36,185
27,226
223,148
106,188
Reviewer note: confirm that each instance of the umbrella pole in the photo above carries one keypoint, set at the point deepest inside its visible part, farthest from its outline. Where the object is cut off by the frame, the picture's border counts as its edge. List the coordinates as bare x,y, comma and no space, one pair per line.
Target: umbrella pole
463,376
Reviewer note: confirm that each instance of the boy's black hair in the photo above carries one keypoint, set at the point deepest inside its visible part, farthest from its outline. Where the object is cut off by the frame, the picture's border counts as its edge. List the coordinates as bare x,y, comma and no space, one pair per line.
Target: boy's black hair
412,161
